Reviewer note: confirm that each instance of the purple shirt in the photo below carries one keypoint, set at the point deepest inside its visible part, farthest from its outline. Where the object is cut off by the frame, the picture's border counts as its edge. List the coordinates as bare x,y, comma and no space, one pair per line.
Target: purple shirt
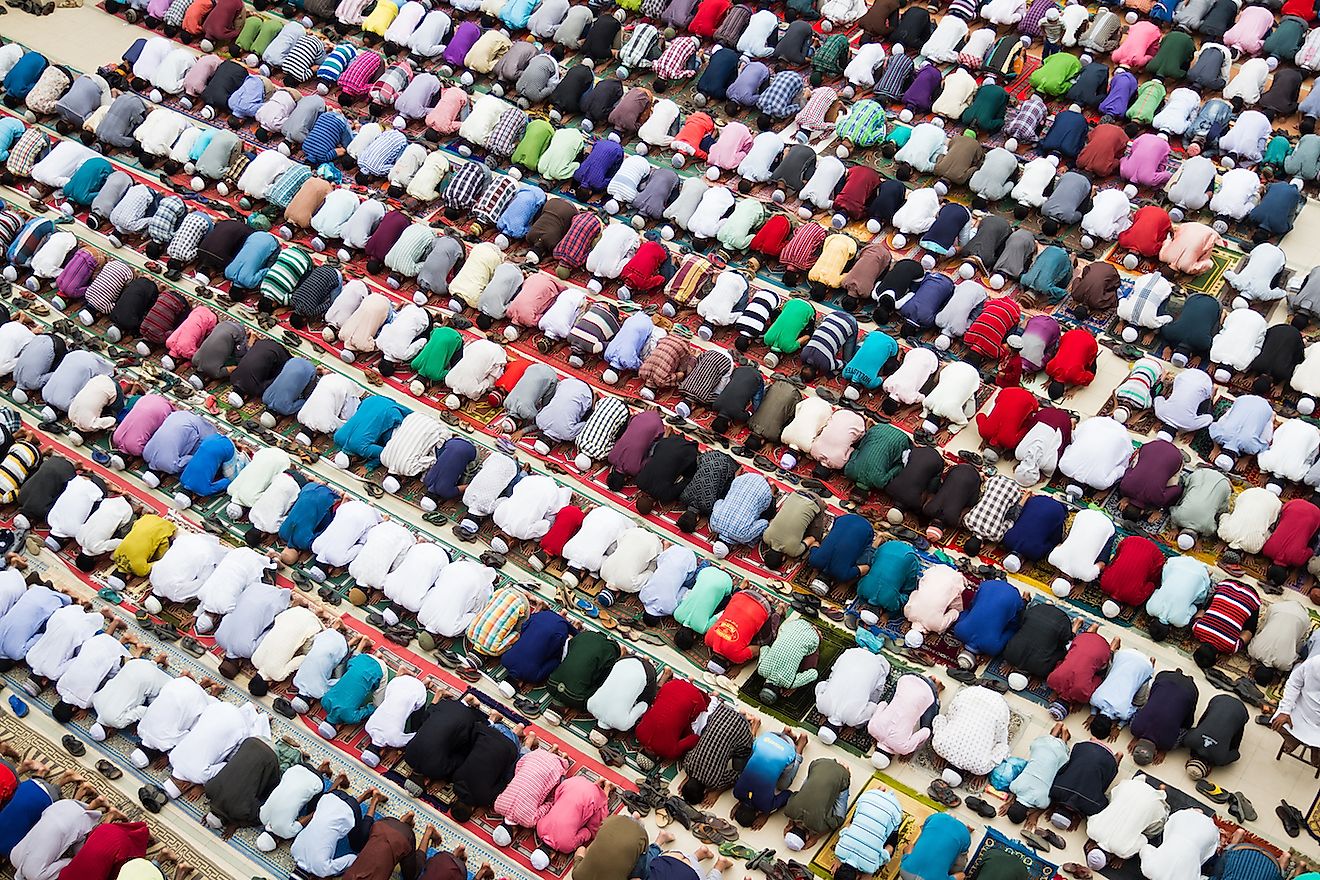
465,37
747,87
175,441
634,446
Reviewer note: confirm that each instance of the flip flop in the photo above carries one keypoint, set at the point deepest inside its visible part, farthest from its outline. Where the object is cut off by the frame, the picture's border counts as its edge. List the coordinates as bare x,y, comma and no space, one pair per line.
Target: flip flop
192,646
588,608
1213,792
662,817
941,792
73,745
153,797
108,770
20,708
732,850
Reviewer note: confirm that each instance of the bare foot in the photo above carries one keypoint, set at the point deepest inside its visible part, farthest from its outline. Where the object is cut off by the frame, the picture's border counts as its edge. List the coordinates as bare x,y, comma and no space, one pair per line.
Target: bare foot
723,864
703,853
486,873
460,851
664,838
409,818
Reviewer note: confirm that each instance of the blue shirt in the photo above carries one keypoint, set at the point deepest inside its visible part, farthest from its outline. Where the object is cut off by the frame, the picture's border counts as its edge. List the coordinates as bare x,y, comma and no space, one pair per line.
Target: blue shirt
21,625
311,512
451,462
841,552
943,839
986,627
758,784
20,815
252,260
204,475
175,441
539,648
287,394
329,133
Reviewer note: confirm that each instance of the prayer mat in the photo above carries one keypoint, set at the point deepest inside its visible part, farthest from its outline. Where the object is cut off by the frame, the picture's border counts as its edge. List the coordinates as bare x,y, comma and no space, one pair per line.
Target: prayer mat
1037,868
917,807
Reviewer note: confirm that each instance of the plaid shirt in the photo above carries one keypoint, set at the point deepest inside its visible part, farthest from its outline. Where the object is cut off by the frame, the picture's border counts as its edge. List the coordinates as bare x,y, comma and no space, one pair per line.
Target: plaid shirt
496,627
737,517
573,248
673,62
1023,121
724,745
671,355
192,230
503,138
286,186
804,247
780,98
988,519
389,84
133,212
170,212
360,73
602,427
864,126
27,152
10,420
832,56
640,45
812,116
466,185
781,663
494,199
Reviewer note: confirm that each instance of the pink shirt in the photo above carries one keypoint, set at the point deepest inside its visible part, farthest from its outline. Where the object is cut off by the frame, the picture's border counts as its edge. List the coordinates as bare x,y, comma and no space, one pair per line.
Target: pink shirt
896,724
1144,163
527,797
444,115
834,444
732,146
575,816
1138,47
148,414
359,331
538,294
195,80
1190,247
935,604
183,342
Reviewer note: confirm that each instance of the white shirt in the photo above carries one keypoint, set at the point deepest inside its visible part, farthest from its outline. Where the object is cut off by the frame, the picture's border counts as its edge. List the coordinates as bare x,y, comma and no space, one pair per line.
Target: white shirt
482,363
924,147
404,695
809,419
531,507
1077,555
272,506
261,172
97,534
1190,839
482,495
1099,453
632,561
384,546
1292,450
240,567
279,814
331,403
601,527
415,574
40,854
219,731
1134,807
905,383
172,714
1255,281
180,573
317,672
401,339
14,337
953,393
852,692
616,704
411,448
99,657
66,631
1239,339
1301,701
87,409
340,543
1110,214
1036,177
268,463
74,506
1238,192
461,591
123,700
760,160
160,131
314,848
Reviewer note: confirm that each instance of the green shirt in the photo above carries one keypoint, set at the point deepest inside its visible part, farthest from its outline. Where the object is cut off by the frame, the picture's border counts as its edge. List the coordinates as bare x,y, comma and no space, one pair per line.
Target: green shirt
588,661
433,361
559,161
878,457
700,607
534,140
780,663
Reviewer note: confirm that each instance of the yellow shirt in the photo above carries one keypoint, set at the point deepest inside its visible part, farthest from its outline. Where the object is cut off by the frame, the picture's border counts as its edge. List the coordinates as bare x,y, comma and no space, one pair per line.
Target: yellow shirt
486,51
145,542
381,18
832,264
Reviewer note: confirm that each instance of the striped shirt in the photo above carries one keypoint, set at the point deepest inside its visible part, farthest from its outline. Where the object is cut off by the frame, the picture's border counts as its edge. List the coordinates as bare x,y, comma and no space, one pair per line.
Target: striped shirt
411,448
104,290
284,274
495,629
673,62
603,427
10,223
336,61
330,133
832,342
390,83
893,81
574,247
997,319
303,58
164,223
21,459
709,371
164,315
528,797
410,251
133,212
1233,608
804,247
313,295
383,151
192,230
780,664
864,125
755,316
780,98
286,186
594,329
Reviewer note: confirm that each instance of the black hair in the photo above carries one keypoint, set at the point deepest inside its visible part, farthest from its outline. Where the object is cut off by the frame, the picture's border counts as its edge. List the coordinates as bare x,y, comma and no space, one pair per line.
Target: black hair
687,523
764,122
484,321
1049,226
889,406
616,480
772,558
1205,656
257,687
1265,675
1276,574
743,342
692,791
386,367
85,563
1101,726
460,812
1017,813
1057,389
684,639
720,424
1158,629
374,266
644,503
253,538
846,871
808,373
63,712
745,815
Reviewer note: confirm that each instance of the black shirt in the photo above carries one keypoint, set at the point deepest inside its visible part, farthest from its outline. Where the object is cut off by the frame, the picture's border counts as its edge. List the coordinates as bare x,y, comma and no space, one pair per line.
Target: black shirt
444,738
1040,644
672,462
744,386
488,768
258,368
1170,709
1217,737
135,300
38,493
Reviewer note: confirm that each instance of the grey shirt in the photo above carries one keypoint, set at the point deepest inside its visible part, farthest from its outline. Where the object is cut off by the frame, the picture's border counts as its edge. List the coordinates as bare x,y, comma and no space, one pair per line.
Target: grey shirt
994,179
444,256
531,392
121,120
655,193
1017,254
83,97
111,192
500,290
538,79
1065,204
223,346
216,159
513,62
303,117
573,27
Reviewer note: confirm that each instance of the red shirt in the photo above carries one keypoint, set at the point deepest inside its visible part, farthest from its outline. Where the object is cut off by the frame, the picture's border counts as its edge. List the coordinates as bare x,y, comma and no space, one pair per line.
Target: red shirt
859,185
986,334
1009,419
512,373
641,270
1077,677
771,238
1290,543
709,15
107,848
732,634
1150,227
1135,571
567,522
1074,363
8,783
666,729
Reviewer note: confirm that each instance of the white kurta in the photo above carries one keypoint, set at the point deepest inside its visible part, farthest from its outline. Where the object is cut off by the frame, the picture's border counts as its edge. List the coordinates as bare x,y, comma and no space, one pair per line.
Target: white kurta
404,695
1301,701
531,507
852,692
461,591
413,578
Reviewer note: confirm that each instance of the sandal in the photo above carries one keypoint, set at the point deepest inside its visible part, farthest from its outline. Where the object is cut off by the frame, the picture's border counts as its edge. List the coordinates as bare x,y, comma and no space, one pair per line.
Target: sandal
1081,872
20,708
724,828
980,807
192,646
528,707
1035,839
732,850
153,797
1213,792
73,745
108,770
705,832
941,792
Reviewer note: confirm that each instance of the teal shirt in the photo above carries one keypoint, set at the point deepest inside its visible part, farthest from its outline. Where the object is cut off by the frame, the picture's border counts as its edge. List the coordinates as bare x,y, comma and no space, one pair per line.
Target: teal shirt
892,578
943,839
700,607
349,700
